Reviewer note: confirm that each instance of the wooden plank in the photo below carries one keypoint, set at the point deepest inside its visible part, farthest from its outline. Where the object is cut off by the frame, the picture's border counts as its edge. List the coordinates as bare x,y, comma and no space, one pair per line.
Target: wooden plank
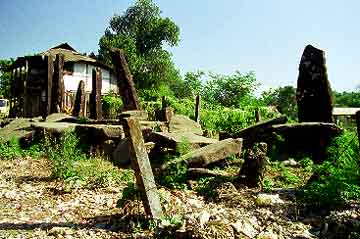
95,96
125,81
141,165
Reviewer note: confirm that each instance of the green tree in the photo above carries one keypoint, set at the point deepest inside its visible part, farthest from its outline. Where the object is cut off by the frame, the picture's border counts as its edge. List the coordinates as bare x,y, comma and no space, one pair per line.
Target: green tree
284,98
347,99
5,78
190,86
230,90
142,33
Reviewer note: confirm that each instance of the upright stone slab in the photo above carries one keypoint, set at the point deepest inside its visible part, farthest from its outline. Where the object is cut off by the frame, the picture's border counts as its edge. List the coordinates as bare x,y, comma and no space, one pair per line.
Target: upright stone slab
95,96
141,165
46,95
125,81
313,92
79,105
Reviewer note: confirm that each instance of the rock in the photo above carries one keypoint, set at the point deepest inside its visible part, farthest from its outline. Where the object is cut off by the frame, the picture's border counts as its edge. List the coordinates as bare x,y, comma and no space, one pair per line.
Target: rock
243,227
204,217
312,137
253,169
121,155
171,140
212,153
204,172
264,199
313,93
139,114
181,123
290,163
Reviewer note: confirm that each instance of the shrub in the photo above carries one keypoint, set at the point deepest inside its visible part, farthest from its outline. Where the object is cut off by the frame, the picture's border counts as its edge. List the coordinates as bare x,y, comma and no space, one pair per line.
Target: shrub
63,153
111,104
10,150
337,178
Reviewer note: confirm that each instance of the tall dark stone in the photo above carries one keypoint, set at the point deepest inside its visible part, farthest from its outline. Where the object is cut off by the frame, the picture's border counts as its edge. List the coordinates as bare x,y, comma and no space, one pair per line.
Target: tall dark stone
57,87
313,92
95,96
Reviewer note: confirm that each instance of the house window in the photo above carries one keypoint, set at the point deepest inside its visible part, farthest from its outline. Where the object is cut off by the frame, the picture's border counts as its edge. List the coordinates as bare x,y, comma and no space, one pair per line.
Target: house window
69,68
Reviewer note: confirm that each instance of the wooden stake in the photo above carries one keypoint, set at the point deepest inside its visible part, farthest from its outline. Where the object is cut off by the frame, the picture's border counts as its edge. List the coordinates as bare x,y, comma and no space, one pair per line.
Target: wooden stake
141,165
197,108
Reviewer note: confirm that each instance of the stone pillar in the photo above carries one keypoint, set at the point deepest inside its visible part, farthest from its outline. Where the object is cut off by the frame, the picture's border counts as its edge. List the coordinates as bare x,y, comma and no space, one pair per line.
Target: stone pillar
79,105
125,81
257,116
141,165
197,108
252,171
313,92
95,96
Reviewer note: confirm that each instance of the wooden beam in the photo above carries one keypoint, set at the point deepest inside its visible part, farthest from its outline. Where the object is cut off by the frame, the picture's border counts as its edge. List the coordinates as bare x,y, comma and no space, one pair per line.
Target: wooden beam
141,165
125,81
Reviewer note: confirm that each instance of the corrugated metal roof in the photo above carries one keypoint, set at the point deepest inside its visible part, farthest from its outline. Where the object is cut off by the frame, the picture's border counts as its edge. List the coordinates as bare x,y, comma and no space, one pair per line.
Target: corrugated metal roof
345,111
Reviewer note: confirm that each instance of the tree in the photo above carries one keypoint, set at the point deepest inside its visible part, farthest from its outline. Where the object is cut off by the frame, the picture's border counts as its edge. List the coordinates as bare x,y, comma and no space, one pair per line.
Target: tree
347,99
284,98
142,33
230,90
5,78
190,86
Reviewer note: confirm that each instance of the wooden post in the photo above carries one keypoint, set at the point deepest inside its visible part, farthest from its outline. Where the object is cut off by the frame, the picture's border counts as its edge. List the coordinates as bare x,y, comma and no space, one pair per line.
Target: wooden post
50,72
125,81
95,97
197,108
141,165
57,87
358,125
257,115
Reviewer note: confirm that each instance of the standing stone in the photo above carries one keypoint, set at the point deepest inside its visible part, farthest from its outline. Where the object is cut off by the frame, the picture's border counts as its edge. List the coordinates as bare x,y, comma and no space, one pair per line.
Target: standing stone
257,116
125,81
141,165
95,96
46,94
79,105
252,171
313,92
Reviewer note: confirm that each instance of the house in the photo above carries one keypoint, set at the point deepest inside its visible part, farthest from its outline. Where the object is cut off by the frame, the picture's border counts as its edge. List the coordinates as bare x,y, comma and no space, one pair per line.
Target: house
49,81
345,116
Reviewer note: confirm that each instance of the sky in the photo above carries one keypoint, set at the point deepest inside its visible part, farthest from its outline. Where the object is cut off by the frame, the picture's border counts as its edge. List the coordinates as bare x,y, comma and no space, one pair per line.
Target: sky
264,36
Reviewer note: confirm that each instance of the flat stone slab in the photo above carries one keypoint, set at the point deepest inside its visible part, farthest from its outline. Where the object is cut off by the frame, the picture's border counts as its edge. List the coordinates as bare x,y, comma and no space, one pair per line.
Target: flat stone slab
181,123
171,140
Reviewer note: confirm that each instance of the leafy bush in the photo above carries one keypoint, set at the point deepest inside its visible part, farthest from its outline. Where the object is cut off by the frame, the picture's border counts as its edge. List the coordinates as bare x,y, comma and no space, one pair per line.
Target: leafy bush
10,150
63,153
111,104
337,178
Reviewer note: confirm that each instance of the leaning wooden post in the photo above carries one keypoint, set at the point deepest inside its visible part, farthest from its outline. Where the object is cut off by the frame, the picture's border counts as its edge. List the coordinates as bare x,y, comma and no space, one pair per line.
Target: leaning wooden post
141,165
125,81
358,125
197,108
95,96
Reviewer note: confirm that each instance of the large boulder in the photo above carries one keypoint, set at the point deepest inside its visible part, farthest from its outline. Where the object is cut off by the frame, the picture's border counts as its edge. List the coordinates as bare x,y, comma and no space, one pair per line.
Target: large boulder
181,123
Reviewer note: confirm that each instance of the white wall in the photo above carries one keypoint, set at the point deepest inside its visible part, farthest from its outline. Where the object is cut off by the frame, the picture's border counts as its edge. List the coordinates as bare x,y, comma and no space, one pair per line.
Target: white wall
83,72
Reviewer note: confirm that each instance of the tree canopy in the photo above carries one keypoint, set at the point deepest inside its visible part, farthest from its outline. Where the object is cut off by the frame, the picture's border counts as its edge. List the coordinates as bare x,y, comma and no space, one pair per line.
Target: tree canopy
142,33
5,78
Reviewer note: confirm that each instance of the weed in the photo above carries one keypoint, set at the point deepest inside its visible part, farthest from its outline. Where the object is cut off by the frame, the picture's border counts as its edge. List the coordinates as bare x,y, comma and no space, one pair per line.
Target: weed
63,153
268,185
10,150
337,179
